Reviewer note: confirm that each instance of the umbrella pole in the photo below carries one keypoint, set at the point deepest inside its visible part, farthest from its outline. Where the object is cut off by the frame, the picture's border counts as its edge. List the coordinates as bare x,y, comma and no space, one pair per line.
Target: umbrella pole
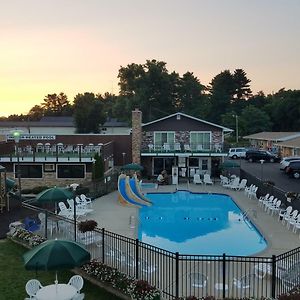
56,281
74,220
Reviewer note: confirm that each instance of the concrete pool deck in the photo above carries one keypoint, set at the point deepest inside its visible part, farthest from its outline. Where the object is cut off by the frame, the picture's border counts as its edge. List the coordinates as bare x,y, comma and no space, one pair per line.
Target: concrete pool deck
123,220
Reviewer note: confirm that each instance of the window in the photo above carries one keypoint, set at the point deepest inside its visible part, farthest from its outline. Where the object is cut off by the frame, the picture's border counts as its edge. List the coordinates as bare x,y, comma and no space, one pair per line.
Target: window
70,171
204,164
193,162
49,167
30,171
163,137
200,138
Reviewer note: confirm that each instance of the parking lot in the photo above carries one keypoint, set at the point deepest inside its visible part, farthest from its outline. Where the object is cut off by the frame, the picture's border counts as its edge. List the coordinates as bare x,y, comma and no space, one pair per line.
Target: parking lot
272,172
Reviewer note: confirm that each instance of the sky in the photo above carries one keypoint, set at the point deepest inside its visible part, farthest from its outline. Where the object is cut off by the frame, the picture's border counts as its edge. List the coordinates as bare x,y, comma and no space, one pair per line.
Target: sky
77,46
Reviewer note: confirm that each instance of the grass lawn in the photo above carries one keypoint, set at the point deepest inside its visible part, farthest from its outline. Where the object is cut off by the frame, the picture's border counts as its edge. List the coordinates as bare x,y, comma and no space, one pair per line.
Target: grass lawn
13,276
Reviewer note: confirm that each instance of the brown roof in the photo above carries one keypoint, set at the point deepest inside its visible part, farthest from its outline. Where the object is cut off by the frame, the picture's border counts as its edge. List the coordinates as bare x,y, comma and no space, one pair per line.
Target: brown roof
272,136
293,143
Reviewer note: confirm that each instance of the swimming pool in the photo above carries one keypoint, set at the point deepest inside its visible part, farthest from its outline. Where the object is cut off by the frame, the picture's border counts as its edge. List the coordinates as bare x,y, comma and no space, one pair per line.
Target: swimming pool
194,223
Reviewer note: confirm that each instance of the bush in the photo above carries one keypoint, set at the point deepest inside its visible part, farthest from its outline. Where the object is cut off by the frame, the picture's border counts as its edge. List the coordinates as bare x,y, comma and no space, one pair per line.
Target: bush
27,237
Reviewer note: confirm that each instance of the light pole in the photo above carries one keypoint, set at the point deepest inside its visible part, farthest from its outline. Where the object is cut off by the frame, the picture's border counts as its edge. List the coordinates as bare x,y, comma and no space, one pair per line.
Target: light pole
262,169
236,128
123,158
17,135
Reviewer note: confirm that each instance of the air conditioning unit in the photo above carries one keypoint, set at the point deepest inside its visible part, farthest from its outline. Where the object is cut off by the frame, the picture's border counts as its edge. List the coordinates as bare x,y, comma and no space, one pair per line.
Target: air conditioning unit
49,167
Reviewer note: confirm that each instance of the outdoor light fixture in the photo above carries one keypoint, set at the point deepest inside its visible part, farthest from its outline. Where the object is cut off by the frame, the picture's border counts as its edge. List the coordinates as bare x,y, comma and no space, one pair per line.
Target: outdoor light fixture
17,135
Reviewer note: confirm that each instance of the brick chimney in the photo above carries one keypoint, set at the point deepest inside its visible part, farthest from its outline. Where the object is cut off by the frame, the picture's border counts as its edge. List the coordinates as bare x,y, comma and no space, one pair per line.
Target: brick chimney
136,135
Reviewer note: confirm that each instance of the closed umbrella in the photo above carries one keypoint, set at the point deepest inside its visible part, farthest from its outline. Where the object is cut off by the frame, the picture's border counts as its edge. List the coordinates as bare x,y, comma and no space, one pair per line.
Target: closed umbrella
56,255
133,167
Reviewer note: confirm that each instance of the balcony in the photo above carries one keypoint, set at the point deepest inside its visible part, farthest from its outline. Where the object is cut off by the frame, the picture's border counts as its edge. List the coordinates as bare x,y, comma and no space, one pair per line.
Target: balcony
53,153
215,149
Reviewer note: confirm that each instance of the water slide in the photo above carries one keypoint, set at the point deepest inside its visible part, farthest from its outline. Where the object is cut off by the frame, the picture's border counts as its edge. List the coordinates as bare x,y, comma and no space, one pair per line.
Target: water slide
126,195
135,187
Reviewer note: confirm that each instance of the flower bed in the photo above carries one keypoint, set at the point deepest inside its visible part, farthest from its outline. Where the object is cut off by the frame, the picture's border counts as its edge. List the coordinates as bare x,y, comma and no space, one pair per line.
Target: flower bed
136,289
28,238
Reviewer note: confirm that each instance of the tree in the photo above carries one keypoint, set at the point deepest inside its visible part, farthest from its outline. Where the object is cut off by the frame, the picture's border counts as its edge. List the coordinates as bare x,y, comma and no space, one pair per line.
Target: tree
36,113
98,167
242,87
253,120
221,95
55,104
88,113
191,94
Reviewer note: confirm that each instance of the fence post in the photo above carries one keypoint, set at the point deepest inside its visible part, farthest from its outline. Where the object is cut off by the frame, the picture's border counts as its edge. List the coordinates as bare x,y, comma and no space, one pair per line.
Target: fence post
136,258
273,282
177,275
224,274
46,223
103,244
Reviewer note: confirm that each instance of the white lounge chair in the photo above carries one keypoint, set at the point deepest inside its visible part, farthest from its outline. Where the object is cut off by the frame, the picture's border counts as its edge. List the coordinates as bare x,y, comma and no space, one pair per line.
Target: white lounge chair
224,180
242,185
86,200
233,185
290,218
207,179
197,179
245,283
252,193
284,212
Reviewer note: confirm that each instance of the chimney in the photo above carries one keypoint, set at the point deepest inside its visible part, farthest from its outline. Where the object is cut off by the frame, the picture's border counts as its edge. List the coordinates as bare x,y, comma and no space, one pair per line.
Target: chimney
136,135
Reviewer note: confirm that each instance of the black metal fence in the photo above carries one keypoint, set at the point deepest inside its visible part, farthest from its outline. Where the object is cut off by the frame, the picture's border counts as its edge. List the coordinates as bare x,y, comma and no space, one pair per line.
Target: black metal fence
177,275
265,188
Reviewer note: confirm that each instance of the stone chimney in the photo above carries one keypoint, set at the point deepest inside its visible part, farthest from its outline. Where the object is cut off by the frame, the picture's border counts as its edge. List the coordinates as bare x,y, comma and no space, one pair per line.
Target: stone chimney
136,135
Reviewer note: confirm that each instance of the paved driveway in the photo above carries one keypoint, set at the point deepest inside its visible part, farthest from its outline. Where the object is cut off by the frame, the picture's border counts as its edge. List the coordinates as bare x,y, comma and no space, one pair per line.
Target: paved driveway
271,171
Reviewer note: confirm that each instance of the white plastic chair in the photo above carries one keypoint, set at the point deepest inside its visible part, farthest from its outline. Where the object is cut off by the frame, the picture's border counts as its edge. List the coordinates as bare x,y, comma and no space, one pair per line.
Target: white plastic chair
86,200
224,180
275,208
242,185
284,212
79,297
262,199
186,147
207,179
234,185
252,193
197,179
77,282
291,218
244,283
31,287
177,147
198,280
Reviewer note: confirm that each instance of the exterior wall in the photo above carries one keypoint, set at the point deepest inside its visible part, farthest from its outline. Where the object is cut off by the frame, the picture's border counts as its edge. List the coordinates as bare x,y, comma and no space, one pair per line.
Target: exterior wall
51,130
136,136
116,130
49,179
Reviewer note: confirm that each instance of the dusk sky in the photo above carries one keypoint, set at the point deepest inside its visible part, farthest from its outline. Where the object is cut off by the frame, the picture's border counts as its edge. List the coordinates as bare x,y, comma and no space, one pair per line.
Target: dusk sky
77,46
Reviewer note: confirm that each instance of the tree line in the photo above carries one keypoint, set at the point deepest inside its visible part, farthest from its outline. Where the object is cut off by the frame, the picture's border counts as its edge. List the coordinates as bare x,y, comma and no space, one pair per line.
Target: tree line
158,93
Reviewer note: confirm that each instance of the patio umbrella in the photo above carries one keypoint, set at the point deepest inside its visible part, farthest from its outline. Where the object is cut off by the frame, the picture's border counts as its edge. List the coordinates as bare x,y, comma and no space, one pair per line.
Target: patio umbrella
55,194
56,255
133,167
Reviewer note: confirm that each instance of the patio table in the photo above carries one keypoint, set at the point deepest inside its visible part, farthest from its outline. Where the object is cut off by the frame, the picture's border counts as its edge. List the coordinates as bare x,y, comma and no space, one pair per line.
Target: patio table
59,291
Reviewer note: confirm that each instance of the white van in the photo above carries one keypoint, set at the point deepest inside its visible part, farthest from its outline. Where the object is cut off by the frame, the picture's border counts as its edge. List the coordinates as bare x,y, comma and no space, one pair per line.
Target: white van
237,152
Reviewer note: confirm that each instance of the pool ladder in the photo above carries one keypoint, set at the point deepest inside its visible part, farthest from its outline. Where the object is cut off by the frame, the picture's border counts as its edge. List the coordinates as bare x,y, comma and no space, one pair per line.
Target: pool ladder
247,212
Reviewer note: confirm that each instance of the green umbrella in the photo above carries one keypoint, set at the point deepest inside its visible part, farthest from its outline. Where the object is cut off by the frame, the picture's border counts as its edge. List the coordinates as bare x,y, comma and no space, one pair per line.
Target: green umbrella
133,167
56,255
55,194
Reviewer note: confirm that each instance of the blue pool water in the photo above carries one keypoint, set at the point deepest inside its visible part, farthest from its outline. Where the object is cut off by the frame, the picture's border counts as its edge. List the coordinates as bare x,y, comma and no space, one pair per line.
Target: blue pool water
193,223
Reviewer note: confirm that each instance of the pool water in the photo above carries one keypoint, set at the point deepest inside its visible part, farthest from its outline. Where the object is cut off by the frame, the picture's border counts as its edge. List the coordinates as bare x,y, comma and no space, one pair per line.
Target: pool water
194,223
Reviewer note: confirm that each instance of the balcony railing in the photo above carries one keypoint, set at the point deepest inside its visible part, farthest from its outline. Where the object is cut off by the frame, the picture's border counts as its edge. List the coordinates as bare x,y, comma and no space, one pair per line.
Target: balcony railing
181,148
55,152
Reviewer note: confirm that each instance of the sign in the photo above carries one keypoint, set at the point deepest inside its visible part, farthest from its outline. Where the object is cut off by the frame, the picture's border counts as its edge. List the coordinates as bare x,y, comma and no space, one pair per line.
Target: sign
33,137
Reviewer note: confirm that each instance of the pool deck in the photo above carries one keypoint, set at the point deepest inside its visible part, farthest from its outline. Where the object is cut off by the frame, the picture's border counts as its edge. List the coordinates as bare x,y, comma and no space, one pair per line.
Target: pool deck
113,216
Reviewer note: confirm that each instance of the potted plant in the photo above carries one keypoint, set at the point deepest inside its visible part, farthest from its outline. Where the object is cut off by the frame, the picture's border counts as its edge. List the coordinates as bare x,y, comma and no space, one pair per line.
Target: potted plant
88,225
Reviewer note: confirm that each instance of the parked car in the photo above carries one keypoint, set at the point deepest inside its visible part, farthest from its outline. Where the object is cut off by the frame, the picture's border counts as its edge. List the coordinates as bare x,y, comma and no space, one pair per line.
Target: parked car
257,155
293,169
237,152
286,160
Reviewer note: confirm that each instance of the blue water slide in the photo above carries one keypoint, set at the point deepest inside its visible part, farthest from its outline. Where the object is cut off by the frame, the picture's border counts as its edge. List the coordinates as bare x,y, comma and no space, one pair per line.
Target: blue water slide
134,188
123,193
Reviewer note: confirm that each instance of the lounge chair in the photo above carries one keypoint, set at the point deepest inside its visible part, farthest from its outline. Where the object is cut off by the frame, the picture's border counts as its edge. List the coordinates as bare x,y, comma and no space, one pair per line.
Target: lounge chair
224,180
284,212
31,224
252,193
197,179
242,185
207,179
234,185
